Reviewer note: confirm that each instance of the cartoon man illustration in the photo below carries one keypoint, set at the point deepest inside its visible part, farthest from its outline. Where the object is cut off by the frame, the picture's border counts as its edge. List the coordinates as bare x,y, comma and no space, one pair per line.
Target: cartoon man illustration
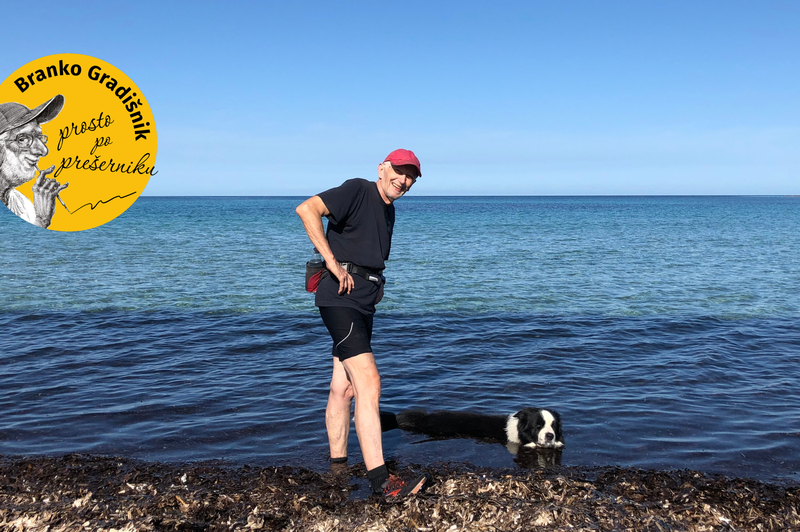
21,146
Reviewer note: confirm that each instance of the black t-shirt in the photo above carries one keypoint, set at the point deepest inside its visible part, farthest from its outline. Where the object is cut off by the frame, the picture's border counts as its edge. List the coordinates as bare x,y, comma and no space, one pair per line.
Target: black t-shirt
360,227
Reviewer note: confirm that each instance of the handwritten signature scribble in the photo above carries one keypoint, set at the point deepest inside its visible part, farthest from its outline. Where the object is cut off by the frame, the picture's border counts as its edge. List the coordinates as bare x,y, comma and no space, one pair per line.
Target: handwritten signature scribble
102,201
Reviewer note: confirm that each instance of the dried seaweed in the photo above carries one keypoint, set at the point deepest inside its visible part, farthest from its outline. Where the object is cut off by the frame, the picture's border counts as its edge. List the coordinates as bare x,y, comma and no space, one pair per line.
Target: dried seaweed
78,492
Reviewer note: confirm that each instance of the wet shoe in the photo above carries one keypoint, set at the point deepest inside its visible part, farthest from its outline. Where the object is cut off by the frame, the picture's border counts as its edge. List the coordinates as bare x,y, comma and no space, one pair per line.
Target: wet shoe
396,487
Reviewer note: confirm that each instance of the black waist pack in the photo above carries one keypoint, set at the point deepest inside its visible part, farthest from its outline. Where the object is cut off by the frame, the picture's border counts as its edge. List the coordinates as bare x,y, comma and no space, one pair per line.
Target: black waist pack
316,271
374,276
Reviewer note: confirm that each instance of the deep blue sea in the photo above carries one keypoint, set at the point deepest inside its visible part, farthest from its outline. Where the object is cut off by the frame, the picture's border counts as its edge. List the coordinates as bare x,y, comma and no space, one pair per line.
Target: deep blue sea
665,330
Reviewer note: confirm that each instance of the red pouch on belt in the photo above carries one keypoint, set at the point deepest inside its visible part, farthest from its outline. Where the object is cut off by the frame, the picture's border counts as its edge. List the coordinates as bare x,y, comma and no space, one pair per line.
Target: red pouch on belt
315,271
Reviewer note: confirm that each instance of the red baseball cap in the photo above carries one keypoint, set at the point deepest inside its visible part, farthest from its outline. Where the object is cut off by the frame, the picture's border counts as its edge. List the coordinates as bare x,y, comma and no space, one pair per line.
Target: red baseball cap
401,157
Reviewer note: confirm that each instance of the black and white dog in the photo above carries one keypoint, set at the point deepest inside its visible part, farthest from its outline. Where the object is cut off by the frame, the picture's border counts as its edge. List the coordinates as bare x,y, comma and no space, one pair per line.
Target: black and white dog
530,427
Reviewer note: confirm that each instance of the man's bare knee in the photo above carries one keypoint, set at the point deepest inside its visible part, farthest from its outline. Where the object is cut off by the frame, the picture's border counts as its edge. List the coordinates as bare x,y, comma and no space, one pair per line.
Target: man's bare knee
369,391
342,391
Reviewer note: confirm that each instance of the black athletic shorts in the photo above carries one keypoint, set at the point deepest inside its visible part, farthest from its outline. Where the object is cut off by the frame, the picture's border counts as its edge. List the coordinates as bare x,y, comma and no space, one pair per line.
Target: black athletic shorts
351,331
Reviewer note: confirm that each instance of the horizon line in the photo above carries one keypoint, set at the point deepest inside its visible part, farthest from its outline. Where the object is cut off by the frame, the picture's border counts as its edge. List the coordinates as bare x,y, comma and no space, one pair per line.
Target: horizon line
487,196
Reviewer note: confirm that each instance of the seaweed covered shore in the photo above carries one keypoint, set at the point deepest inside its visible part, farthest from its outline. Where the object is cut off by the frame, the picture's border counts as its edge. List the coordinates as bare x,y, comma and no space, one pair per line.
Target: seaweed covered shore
79,492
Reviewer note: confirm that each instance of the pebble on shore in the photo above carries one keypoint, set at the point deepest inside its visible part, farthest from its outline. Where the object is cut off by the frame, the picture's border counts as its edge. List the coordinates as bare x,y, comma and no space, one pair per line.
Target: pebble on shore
80,492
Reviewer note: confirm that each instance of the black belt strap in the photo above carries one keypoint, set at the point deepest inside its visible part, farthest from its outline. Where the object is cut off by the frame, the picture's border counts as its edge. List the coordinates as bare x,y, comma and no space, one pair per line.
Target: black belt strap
367,273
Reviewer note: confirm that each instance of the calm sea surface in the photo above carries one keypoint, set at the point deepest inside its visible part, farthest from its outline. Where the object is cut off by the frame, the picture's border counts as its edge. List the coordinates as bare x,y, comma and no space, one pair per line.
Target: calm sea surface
665,330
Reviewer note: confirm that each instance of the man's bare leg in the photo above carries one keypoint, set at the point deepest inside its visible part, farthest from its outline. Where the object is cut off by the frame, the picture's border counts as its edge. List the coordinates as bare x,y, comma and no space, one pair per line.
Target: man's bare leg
337,414
366,384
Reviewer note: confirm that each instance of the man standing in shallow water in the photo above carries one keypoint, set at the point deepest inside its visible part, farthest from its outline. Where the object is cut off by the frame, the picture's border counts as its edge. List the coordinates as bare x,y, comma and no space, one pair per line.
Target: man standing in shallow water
360,222
21,146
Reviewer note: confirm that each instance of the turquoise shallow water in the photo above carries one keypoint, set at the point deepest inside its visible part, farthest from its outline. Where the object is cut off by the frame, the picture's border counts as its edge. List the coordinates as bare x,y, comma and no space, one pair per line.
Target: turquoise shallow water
719,256
664,329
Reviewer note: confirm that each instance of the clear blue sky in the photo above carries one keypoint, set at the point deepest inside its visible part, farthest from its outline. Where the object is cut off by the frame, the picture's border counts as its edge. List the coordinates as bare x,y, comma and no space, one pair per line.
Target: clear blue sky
556,97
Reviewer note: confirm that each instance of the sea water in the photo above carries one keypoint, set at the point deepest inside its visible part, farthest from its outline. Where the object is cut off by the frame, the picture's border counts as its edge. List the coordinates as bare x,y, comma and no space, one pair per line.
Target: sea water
665,330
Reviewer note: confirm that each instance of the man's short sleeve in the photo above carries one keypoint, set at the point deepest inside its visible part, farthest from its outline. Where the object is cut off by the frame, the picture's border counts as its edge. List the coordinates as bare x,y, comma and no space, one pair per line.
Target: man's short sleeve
342,200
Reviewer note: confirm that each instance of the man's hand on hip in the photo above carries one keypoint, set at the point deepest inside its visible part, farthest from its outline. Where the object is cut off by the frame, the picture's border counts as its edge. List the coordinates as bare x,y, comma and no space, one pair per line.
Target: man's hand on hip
346,283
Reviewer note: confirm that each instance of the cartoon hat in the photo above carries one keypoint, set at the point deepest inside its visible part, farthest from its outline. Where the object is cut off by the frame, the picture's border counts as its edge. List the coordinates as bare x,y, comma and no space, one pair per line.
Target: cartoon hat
13,114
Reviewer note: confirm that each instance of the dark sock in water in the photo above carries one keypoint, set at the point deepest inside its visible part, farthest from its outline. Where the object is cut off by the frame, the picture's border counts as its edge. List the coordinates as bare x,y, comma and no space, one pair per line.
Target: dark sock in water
377,477
342,460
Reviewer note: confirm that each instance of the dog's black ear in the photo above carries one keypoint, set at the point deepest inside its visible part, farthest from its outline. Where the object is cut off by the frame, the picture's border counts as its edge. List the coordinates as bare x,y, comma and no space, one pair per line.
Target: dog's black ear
527,416
525,425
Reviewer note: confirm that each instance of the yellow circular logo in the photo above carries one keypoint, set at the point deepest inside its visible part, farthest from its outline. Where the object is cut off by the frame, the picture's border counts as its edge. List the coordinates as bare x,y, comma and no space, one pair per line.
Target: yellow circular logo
77,142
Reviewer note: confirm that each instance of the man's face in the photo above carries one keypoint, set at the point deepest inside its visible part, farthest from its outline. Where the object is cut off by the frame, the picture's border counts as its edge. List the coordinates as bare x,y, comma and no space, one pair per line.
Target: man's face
392,184
19,163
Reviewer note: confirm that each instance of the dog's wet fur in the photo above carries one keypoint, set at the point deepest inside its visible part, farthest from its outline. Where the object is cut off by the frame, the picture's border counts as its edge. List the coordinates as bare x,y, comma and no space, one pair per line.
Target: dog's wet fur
537,428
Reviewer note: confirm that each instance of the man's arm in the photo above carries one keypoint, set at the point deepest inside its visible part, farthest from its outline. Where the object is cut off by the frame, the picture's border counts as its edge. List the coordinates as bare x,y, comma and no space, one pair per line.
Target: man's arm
311,212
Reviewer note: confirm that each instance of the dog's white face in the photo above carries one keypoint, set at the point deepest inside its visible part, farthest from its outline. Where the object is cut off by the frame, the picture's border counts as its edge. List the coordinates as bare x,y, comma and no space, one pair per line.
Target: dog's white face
535,428
546,436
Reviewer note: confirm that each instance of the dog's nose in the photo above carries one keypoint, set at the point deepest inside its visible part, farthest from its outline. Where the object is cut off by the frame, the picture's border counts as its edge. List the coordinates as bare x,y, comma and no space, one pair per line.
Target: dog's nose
549,436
